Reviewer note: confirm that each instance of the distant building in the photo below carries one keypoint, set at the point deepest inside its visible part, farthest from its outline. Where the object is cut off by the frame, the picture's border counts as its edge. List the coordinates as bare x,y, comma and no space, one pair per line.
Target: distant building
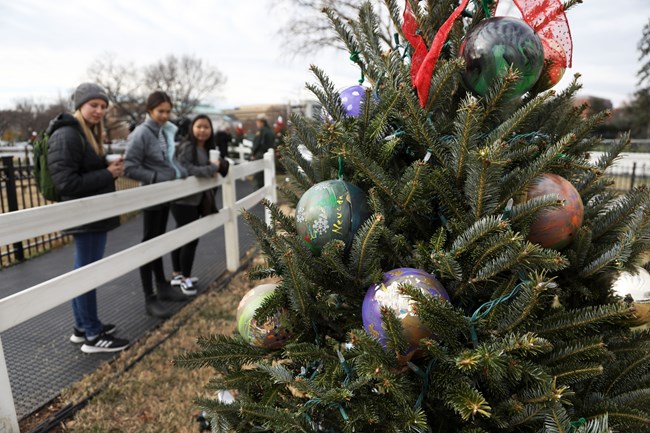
246,114
221,120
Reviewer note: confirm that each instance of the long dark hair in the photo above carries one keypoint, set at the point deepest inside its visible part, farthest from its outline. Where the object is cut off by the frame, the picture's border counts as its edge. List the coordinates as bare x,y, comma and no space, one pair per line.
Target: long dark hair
210,142
157,98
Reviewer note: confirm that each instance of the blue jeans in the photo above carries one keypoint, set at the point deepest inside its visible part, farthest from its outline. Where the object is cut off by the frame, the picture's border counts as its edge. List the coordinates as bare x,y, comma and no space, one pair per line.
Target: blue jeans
88,248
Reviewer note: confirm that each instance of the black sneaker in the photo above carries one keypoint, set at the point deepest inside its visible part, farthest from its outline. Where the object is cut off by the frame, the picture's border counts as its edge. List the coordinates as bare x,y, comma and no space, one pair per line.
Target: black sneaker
104,343
79,337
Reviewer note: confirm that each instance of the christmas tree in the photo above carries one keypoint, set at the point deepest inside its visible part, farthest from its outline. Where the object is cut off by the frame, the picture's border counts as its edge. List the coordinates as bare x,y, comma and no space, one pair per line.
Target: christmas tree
455,262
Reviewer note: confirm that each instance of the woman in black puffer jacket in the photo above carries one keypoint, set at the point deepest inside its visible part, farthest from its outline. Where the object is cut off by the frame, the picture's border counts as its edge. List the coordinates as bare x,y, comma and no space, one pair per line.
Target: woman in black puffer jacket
77,164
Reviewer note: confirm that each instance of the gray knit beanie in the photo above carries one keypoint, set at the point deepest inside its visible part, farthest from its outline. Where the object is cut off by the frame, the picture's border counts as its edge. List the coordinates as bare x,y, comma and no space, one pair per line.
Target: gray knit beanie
87,91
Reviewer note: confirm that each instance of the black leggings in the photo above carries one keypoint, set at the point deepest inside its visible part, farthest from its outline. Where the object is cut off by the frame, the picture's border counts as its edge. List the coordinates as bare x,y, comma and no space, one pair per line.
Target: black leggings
154,224
183,257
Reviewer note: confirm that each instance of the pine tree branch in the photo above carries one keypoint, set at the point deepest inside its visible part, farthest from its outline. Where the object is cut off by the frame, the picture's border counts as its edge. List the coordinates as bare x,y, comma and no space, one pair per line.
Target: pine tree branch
364,258
580,320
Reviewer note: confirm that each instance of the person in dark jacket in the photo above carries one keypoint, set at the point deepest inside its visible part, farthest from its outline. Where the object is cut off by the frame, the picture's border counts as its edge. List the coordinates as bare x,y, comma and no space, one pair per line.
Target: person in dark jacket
150,159
223,138
193,155
263,141
78,169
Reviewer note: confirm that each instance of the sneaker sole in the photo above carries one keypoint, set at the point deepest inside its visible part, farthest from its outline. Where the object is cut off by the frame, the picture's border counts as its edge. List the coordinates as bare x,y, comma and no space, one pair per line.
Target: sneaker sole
93,349
188,292
78,340
173,282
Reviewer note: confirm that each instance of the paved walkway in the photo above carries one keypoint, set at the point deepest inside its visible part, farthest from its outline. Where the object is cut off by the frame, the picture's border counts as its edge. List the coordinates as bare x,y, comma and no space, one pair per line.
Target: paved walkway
40,358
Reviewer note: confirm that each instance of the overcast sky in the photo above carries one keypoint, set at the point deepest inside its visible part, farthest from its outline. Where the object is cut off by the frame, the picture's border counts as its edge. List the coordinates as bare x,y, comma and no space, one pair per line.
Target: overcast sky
46,46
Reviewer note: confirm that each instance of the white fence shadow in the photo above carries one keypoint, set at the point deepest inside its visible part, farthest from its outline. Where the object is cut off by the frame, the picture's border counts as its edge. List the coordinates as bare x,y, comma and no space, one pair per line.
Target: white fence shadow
17,226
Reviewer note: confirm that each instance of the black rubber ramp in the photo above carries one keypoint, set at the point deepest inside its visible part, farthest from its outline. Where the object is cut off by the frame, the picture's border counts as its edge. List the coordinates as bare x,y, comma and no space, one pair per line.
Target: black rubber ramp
40,358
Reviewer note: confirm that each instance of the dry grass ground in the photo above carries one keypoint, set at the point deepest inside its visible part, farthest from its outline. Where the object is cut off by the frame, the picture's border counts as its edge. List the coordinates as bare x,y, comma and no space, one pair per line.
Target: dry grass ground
151,395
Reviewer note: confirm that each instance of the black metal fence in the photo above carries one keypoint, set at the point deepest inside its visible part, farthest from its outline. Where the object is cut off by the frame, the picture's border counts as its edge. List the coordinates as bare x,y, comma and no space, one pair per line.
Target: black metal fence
627,177
18,191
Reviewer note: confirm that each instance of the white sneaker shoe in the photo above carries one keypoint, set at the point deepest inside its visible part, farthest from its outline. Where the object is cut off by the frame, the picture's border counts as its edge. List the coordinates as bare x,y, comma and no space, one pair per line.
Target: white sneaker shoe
187,287
178,279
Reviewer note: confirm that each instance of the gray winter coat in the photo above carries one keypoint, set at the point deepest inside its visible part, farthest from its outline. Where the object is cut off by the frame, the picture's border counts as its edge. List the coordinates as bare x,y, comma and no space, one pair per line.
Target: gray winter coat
77,170
189,159
187,156
144,160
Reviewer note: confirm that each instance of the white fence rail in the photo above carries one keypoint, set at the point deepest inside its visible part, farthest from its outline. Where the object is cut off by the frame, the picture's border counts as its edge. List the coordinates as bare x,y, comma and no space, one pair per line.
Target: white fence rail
15,226
243,151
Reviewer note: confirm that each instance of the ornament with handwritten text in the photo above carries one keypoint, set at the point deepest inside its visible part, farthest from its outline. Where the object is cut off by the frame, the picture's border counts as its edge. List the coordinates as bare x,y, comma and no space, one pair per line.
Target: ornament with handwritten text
331,210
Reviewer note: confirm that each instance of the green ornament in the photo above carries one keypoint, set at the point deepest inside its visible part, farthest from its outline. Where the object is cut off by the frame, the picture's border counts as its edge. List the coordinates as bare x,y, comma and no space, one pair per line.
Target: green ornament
331,210
493,47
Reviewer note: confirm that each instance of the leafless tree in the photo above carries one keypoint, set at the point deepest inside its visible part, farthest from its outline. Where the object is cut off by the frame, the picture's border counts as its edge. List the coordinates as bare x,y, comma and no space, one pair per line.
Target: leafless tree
308,28
123,85
29,116
187,80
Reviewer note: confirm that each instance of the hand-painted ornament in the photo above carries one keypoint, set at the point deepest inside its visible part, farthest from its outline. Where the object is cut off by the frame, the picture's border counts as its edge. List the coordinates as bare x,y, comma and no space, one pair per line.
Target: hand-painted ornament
329,210
387,294
553,70
555,228
351,98
635,289
273,333
493,47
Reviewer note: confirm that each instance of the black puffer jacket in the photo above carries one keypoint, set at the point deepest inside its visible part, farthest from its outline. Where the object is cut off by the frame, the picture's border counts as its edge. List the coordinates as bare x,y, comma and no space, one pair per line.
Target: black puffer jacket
76,169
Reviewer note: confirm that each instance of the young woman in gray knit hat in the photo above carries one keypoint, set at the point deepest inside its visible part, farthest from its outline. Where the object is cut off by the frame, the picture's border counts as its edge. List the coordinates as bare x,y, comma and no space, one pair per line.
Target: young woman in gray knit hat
78,167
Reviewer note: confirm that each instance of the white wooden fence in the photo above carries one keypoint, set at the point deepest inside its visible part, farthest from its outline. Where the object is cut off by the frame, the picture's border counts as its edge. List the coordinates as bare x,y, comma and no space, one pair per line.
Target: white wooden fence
16,226
243,151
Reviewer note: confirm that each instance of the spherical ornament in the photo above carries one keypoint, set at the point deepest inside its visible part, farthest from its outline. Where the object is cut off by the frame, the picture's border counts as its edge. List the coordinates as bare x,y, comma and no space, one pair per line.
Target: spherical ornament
387,294
329,210
553,69
351,98
273,333
635,289
494,46
555,228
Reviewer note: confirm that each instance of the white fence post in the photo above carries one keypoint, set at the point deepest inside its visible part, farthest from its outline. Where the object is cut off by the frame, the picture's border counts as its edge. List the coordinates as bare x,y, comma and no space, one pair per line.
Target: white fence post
231,231
8,417
269,182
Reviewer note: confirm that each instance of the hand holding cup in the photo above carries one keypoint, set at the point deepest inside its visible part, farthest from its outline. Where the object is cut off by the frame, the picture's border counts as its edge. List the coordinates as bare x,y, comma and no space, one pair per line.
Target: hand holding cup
215,157
115,164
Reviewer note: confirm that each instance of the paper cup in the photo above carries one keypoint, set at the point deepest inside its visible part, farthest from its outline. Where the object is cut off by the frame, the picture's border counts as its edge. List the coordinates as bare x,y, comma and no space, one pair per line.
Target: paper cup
113,157
215,155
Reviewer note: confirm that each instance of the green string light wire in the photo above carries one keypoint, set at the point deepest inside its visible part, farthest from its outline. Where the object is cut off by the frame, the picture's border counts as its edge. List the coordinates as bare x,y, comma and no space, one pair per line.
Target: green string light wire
354,56
484,4
486,308
424,375
575,425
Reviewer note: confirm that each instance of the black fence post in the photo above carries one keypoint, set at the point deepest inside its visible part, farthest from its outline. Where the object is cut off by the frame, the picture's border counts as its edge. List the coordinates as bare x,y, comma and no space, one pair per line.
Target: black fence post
12,198
633,176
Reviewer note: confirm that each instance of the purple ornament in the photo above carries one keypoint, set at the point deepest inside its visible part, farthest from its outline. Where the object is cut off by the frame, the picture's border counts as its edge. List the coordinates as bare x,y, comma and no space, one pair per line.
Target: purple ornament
387,294
351,98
